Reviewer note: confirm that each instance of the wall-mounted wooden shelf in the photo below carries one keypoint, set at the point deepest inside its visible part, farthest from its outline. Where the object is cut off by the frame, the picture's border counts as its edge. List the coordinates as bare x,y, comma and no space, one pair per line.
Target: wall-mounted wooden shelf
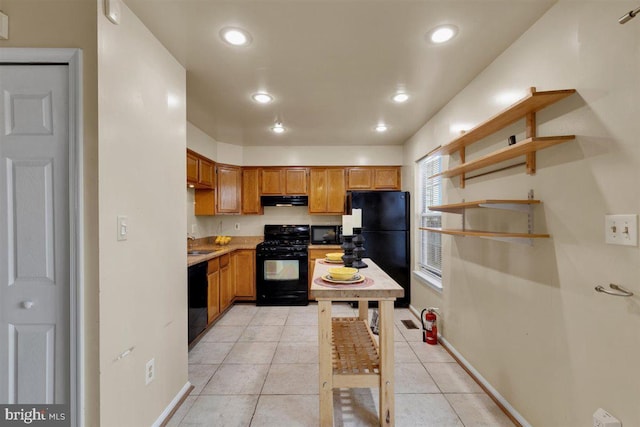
508,204
532,103
525,108
478,233
518,205
529,145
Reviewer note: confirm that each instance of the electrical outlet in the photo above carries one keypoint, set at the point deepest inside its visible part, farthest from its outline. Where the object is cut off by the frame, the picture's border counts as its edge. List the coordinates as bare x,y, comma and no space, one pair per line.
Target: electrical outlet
621,230
602,418
237,226
150,371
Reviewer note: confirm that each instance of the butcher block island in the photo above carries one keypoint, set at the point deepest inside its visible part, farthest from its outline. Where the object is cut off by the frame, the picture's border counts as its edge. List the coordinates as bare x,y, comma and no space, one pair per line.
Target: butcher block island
349,354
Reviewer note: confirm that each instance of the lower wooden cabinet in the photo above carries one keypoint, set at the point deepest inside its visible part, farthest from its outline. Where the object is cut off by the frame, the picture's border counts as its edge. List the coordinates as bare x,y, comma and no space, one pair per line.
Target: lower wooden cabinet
315,254
244,262
227,291
213,277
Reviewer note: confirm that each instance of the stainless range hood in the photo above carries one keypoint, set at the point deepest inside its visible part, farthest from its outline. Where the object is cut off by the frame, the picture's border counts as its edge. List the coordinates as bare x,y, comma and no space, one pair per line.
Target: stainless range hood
284,200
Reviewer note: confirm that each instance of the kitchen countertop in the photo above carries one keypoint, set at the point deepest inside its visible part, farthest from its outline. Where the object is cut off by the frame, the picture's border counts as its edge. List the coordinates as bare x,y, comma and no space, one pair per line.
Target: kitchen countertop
239,242
328,247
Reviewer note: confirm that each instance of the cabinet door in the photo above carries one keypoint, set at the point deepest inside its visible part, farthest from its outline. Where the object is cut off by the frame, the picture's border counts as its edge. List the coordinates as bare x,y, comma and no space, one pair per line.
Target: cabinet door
359,178
296,181
205,173
245,273
192,168
226,285
337,191
213,309
327,191
318,190
272,181
387,178
229,184
251,192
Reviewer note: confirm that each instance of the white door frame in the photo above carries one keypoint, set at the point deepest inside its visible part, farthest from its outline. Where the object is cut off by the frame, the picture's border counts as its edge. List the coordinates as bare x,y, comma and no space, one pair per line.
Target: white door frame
73,58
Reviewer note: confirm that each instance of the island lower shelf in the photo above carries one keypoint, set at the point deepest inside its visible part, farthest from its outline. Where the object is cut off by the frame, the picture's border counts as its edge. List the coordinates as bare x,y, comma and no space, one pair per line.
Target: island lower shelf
480,233
355,354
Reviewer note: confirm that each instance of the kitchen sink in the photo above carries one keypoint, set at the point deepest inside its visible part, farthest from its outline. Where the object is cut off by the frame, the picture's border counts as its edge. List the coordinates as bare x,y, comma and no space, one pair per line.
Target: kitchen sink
200,252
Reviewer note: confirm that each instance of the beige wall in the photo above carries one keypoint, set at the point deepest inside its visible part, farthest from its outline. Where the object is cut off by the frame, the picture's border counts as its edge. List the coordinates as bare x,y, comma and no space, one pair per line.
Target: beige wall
143,289
528,318
72,24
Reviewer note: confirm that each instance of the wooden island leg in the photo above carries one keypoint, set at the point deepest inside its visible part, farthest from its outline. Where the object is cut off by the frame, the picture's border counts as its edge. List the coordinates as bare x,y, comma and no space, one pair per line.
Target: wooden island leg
326,365
363,310
387,400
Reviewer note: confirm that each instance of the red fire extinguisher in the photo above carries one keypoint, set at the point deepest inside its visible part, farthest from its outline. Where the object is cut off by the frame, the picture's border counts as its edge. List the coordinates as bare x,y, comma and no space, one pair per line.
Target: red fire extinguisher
429,325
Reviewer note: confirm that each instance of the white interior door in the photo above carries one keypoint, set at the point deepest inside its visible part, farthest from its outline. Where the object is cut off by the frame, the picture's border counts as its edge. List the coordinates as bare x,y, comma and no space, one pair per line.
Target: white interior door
34,234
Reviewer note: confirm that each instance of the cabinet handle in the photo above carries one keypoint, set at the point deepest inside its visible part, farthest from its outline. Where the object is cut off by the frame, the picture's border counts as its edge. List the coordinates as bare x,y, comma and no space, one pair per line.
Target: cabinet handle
27,304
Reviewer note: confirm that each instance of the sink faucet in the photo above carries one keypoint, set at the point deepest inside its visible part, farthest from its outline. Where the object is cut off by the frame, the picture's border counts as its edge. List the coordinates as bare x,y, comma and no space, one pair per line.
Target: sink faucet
190,240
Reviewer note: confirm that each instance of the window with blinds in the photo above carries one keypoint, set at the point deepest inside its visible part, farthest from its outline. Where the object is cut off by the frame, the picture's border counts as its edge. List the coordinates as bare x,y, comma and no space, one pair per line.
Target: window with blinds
430,261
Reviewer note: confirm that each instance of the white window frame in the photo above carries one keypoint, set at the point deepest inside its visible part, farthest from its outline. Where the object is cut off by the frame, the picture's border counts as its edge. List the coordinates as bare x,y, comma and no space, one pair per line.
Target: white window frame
429,265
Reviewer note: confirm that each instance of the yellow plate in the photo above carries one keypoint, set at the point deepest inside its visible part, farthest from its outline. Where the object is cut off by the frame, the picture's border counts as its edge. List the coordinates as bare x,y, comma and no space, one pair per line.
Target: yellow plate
330,261
358,279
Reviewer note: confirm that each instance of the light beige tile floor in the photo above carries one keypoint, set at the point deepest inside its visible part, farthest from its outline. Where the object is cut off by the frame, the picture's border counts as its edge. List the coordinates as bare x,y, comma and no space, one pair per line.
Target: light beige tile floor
258,366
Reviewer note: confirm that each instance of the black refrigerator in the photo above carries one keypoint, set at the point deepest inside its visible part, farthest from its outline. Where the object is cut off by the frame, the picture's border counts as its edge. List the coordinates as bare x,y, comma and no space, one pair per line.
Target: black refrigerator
385,228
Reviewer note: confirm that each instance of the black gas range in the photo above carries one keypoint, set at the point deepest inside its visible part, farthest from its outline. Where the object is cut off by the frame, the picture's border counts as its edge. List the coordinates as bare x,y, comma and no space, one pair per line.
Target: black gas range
282,266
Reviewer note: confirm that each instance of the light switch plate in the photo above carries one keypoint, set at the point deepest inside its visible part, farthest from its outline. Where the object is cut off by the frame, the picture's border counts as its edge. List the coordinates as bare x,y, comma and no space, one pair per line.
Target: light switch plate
4,27
123,227
112,10
602,418
621,230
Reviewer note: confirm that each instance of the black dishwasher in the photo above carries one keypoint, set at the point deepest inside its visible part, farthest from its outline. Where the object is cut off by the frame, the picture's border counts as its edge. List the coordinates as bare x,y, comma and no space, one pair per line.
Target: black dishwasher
198,286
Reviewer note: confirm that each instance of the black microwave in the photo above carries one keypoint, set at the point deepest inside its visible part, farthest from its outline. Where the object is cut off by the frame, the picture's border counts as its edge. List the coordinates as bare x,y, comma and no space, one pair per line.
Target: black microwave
326,234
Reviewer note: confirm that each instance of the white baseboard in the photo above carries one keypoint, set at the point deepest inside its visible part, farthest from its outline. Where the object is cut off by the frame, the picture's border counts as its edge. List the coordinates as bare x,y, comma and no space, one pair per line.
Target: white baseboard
494,393
172,405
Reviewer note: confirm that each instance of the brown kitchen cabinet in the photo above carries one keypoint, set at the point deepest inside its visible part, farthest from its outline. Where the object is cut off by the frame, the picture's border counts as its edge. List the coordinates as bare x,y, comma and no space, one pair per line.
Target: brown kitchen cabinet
327,189
318,253
199,171
251,192
192,168
244,265
229,186
285,180
373,178
213,278
227,291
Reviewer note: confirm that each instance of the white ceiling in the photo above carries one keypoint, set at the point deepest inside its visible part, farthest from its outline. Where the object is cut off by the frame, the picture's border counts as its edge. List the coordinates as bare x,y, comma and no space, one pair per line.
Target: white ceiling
332,66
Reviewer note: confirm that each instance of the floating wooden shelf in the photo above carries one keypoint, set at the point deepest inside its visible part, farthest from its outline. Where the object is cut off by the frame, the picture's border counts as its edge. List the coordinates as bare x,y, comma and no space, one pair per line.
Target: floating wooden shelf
532,103
529,145
525,108
492,203
518,205
491,234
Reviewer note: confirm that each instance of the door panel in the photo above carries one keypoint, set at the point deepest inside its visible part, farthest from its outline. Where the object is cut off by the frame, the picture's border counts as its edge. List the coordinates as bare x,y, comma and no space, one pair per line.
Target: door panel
34,221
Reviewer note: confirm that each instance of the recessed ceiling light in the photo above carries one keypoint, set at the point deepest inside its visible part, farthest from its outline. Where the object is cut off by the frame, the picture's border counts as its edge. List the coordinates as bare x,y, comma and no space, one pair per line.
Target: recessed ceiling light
235,36
400,97
381,127
278,128
443,33
262,98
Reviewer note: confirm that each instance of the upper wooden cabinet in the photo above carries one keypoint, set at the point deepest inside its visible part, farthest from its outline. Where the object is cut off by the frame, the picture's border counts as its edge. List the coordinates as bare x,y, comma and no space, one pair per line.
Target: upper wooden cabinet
192,168
229,185
199,171
373,178
327,189
276,181
251,192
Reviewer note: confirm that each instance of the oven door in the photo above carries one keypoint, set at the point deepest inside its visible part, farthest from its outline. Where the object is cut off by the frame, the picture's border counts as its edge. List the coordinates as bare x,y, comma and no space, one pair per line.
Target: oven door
281,279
